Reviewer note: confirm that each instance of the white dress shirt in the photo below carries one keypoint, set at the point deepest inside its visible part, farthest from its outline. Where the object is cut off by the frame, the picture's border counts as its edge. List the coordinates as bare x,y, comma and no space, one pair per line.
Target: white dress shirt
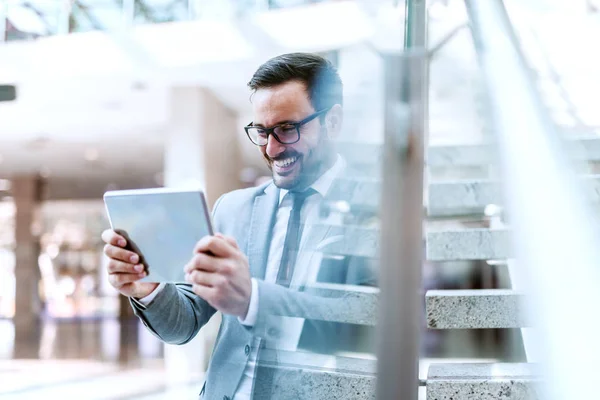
292,334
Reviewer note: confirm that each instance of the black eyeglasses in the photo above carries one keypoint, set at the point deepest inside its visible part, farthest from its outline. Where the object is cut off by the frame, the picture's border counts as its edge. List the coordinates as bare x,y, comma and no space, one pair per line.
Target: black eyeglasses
286,133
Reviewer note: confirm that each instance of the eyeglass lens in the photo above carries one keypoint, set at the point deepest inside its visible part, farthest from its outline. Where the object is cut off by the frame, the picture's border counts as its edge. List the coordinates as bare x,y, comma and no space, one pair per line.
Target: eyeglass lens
285,134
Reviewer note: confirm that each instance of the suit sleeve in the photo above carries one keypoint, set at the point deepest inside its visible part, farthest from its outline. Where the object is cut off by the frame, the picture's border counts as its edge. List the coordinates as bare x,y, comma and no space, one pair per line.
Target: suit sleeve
176,314
338,302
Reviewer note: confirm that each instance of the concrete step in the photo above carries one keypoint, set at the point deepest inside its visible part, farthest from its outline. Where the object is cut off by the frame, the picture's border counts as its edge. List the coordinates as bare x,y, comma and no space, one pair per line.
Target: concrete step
354,194
343,240
306,376
349,304
471,381
446,245
460,156
356,191
440,245
580,148
468,244
358,153
462,197
474,309
292,383
471,196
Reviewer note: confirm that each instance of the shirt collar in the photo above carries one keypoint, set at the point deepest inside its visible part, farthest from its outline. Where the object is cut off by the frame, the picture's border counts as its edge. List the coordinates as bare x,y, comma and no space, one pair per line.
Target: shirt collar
324,182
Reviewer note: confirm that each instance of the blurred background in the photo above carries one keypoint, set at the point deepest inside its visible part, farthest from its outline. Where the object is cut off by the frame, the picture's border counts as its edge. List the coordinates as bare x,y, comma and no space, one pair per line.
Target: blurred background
125,94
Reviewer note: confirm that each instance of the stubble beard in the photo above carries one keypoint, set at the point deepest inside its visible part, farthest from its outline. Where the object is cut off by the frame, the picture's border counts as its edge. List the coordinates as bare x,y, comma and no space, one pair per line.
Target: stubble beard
309,172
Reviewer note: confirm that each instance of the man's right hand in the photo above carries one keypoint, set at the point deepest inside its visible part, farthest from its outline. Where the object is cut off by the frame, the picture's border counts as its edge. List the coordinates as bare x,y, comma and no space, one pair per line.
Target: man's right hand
124,269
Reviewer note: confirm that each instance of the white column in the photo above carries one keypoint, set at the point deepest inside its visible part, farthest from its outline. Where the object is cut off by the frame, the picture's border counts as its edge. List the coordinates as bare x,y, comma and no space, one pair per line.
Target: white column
200,151
184,155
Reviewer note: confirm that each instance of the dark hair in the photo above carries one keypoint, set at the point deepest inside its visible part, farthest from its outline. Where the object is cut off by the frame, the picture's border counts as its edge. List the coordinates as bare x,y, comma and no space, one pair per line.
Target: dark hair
321,78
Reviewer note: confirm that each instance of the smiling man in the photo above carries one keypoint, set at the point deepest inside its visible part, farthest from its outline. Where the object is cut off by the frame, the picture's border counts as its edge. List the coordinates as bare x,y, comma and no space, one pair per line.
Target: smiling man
302,126
251,270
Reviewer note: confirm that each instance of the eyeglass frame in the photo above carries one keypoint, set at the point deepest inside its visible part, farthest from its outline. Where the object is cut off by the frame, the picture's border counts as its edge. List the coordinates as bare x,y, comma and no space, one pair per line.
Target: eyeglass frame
296,125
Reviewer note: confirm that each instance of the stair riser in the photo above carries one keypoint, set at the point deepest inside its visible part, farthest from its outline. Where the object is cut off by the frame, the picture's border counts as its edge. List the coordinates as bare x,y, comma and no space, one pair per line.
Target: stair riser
491,389
475,309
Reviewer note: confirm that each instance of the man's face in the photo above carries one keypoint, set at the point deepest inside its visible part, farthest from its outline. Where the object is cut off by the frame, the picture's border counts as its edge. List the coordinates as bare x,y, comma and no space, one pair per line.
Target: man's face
294,166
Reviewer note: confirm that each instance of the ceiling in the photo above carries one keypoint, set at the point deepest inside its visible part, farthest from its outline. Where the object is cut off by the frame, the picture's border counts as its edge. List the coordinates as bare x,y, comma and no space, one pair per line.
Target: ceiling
93,108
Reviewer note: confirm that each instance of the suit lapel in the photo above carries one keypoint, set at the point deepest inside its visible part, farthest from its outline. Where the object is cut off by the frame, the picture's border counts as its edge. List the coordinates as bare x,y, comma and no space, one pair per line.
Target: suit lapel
340,190
262,220
261,227
320,230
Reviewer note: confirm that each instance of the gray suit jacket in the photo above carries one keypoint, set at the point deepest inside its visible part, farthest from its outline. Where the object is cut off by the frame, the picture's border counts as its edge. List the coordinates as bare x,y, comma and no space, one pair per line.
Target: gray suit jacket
177,314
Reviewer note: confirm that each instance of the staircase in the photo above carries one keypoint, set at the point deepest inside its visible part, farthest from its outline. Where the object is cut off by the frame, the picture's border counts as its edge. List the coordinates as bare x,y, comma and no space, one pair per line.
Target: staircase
484,308
458,230
468,235
461,227
488,234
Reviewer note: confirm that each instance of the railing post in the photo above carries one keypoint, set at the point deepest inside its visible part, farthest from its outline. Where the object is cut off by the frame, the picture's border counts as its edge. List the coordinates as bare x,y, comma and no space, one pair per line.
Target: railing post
401,303
400,311
415,24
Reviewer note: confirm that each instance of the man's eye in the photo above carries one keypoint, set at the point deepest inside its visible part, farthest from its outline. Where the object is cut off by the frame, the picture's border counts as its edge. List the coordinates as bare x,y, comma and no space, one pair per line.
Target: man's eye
287,128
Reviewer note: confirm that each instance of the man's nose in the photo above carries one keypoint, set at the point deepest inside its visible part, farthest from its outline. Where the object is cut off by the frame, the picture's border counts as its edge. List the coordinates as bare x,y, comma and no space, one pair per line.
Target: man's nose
274,148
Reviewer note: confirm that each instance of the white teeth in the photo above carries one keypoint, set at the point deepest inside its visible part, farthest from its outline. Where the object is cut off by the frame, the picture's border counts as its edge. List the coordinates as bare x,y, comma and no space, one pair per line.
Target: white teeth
286,162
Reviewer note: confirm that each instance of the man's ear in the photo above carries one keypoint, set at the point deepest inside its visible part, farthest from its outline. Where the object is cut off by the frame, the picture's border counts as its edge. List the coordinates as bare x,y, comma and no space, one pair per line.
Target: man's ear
334,120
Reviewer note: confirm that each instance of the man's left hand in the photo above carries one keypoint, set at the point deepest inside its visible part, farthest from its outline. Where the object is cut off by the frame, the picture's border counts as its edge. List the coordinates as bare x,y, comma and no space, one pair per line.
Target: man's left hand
220,274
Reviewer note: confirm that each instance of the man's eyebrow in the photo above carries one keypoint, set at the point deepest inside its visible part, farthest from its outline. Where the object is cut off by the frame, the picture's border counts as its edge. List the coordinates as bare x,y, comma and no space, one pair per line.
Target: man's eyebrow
278,123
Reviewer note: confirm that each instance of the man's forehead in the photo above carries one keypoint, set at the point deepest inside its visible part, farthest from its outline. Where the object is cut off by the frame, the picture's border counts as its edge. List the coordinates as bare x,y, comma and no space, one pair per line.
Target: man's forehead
288,101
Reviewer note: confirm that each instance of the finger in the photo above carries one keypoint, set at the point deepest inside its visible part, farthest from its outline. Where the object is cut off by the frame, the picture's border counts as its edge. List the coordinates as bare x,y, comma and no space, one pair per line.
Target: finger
204,292
229,239
111,237
203,278
119,267
215,245
118,280
117,253
202,262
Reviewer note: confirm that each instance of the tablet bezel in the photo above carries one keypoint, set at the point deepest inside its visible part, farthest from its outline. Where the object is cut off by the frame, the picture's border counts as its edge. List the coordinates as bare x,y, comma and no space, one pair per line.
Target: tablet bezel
156,191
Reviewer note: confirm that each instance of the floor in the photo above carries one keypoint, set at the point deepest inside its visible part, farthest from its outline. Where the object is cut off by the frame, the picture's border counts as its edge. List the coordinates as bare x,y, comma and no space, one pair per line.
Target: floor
83,360
82,379
108,360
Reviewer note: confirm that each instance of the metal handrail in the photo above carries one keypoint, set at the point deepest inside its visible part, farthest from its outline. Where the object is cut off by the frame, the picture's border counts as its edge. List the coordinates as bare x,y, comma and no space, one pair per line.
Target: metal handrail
555,243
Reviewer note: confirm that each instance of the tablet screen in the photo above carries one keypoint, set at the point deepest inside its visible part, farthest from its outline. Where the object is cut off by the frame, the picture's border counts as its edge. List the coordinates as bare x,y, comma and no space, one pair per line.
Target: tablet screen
162,225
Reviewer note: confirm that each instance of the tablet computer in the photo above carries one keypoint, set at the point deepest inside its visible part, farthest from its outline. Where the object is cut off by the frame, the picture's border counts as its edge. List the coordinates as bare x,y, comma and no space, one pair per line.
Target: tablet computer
161,225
